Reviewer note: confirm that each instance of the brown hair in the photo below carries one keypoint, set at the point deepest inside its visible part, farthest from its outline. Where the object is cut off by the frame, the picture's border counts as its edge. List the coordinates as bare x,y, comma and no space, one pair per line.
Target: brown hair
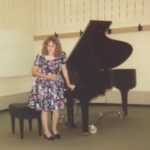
56,41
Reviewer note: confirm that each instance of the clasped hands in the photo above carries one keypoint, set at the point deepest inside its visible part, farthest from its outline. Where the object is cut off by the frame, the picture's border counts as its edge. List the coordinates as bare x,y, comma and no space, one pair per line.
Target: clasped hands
52,76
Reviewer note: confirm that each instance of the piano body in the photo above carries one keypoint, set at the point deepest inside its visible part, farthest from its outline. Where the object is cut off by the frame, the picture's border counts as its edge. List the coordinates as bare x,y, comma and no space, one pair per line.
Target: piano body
90,66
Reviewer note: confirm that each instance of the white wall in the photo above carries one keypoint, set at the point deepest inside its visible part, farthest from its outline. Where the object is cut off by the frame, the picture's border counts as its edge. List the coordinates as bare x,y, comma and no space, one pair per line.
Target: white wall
72,15
16,49
139,59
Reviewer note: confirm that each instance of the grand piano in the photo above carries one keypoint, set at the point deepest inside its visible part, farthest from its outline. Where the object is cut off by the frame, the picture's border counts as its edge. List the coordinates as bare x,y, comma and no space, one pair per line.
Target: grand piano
90,68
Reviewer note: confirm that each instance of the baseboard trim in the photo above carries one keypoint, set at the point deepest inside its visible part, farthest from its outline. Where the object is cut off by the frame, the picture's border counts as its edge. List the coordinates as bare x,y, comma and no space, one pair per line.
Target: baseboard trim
114,104
100,104
3,110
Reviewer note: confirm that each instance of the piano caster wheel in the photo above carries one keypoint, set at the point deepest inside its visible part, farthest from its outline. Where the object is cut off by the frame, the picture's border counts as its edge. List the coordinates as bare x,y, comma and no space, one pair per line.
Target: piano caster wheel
92,129
121,115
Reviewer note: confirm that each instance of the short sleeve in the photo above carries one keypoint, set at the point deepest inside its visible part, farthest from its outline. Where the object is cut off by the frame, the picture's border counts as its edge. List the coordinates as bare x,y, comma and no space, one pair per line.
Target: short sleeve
38,61
63,58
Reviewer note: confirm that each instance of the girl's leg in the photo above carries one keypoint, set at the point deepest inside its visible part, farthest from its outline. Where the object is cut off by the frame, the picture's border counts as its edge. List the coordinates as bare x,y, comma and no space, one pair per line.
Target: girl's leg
55,118
44,118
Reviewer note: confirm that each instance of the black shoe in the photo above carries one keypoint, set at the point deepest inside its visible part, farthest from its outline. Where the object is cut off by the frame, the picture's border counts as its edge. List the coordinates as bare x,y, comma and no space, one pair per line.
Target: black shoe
57,136
49,138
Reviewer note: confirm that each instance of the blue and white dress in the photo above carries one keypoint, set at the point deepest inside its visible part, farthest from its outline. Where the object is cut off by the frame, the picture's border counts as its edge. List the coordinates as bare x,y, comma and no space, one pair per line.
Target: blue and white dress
48,95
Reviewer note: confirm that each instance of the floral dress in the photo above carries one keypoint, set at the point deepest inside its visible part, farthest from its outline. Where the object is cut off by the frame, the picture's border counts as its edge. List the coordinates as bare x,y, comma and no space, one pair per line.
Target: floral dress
48,95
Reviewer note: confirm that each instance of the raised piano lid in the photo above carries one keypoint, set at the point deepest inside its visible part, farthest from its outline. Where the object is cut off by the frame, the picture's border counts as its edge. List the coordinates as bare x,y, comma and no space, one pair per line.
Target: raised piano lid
95,50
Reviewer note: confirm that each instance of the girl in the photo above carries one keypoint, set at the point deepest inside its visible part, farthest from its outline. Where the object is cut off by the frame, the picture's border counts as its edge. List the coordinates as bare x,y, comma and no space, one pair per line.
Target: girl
48,91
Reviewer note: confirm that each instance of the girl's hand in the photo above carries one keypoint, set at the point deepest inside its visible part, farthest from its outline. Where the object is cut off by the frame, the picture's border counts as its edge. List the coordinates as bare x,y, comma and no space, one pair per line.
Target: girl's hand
71,86
52,76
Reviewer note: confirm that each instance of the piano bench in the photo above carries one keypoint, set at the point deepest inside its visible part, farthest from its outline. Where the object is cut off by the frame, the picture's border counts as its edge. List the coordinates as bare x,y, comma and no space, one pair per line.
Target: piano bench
22,111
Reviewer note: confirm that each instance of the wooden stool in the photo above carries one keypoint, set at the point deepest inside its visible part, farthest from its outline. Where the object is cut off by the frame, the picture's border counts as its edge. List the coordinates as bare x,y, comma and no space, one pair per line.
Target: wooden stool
22,111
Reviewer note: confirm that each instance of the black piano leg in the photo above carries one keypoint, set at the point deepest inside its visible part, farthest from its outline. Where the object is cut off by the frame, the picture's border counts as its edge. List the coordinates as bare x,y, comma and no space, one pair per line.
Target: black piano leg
70,112
85,115
124,95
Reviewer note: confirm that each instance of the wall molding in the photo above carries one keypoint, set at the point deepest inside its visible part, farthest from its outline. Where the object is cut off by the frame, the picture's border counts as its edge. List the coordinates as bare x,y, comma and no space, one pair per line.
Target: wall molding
17,76
138,28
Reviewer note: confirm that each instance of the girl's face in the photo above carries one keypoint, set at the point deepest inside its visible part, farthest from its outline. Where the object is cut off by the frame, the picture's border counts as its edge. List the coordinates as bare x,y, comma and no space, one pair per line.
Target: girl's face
51,47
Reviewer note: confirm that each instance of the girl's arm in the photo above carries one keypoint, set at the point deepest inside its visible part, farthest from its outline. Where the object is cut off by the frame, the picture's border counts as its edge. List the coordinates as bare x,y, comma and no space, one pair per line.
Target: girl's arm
66,76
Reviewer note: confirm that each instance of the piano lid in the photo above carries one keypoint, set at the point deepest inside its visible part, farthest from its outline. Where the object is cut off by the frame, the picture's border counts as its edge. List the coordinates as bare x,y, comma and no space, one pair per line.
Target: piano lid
95,50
